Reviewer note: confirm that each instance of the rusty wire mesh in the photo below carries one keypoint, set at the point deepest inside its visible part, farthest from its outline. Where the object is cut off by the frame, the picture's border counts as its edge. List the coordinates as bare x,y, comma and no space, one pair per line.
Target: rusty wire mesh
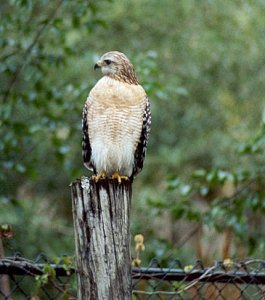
41,279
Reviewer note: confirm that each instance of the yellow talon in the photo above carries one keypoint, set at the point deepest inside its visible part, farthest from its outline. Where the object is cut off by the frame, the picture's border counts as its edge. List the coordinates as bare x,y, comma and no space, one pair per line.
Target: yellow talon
100,175
119,177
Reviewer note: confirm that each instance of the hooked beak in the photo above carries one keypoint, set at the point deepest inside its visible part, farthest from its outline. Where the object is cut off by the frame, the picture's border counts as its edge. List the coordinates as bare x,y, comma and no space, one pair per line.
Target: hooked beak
97,65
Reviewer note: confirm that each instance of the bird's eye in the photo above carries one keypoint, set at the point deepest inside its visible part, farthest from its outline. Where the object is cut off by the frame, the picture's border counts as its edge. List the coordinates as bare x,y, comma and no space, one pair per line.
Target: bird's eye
107,61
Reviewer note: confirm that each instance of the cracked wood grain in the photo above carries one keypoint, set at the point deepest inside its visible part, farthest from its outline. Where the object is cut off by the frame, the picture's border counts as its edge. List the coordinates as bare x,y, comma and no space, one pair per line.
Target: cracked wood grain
101,213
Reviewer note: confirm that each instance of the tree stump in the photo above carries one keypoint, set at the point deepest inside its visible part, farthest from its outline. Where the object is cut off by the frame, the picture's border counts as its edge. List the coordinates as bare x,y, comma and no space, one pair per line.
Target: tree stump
101,213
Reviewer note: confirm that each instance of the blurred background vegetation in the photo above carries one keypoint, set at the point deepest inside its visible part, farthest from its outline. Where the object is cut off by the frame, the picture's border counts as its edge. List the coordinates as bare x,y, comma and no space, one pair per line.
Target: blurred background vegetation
201,193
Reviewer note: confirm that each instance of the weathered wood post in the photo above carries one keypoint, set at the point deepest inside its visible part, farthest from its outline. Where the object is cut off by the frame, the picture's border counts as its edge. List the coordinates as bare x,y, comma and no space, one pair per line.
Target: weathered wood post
101,213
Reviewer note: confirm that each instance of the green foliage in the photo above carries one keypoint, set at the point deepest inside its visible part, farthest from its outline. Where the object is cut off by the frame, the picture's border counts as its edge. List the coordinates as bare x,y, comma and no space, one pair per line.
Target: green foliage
48,277
36,228
234,198
48,273
202,66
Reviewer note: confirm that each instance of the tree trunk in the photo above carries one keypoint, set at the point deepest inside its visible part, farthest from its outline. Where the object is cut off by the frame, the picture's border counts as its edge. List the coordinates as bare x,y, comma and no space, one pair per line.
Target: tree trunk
101,213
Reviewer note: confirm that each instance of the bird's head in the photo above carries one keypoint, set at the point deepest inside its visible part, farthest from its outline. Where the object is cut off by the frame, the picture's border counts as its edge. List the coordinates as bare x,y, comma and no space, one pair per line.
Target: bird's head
117,66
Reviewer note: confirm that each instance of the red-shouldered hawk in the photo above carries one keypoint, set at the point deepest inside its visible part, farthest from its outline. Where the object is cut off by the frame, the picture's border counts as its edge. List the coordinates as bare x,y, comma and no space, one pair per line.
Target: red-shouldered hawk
116,121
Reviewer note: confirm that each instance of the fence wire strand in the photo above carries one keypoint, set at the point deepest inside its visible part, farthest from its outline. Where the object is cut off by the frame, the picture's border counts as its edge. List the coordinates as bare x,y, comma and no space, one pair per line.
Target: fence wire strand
21,278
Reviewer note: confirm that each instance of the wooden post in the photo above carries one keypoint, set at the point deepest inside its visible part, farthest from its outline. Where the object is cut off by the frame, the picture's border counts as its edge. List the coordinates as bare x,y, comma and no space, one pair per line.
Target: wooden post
101,213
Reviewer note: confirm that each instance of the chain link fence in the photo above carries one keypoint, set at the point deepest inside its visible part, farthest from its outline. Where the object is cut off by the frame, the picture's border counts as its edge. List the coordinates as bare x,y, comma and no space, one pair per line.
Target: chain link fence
225,280
21,278
41,279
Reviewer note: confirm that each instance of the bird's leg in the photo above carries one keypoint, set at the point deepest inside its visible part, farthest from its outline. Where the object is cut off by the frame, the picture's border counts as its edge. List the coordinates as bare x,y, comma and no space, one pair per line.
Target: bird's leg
119,177
100,175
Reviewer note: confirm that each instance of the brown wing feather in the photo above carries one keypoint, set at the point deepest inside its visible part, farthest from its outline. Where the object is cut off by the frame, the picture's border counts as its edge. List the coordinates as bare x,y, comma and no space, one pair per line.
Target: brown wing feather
142,145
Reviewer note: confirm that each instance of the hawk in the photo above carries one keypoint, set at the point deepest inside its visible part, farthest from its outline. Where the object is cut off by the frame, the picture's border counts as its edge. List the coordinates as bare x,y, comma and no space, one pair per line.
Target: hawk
116,121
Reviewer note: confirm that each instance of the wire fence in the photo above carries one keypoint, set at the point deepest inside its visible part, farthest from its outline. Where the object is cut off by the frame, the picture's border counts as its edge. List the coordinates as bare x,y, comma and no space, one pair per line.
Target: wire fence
41,279
225,280
21,278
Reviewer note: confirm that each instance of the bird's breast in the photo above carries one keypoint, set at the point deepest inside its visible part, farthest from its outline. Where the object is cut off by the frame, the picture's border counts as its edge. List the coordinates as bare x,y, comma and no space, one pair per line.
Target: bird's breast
115,120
